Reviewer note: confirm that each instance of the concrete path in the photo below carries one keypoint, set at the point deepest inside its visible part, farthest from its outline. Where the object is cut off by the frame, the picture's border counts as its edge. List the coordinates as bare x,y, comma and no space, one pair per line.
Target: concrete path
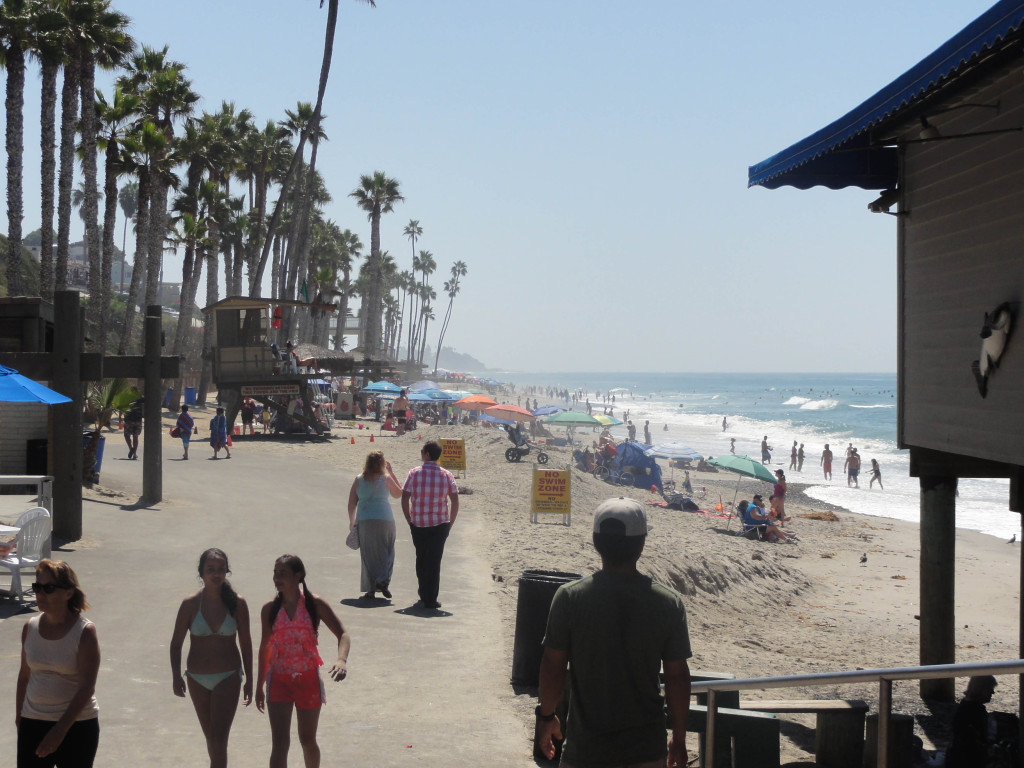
429,690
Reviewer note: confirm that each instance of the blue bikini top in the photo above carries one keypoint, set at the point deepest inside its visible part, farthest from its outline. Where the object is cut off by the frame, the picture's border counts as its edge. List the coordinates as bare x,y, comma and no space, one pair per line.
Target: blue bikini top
200,628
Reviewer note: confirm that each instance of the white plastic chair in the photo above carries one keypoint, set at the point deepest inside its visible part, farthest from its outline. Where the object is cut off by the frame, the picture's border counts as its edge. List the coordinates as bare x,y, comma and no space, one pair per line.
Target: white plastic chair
30,543
30,514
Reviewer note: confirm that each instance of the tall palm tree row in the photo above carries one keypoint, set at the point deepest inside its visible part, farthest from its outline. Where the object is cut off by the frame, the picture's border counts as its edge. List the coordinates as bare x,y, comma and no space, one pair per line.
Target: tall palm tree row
451,287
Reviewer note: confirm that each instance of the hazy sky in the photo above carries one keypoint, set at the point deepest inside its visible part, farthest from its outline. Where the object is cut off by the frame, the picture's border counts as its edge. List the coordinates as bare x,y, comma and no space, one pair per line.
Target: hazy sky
588,160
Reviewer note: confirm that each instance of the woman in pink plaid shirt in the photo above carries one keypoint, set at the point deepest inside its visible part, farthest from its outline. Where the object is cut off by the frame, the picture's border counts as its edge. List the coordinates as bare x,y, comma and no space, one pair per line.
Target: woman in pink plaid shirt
430,502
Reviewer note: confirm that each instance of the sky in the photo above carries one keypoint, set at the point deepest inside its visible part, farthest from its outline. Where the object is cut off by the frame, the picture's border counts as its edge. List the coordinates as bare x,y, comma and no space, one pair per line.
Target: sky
587,159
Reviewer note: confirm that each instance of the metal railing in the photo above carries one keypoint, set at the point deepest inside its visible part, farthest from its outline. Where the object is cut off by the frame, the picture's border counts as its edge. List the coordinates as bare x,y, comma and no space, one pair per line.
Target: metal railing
884,678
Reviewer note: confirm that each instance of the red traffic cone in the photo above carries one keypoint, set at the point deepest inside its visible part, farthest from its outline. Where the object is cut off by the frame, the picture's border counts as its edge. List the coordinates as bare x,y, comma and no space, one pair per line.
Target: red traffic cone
352,440
371,437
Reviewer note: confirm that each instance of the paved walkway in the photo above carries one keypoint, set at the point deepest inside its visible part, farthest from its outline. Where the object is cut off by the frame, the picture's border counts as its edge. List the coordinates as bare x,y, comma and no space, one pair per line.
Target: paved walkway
424,690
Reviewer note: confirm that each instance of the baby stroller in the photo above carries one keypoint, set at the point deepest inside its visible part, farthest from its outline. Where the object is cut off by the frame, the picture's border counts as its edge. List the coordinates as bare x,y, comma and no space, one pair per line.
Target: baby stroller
521,446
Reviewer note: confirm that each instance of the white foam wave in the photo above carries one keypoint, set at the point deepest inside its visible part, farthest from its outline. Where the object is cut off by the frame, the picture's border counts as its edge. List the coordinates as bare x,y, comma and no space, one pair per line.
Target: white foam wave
819,405
797,401
885,405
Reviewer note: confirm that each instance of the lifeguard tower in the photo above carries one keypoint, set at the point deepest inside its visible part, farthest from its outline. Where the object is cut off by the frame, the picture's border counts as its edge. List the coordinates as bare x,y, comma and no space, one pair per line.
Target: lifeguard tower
246,364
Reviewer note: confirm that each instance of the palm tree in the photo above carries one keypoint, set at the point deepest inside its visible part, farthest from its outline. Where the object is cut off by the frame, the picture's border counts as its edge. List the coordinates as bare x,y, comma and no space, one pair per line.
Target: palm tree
412,230
377,195
128,199
78,195
48,49
451,287
15,37
114,118
139,149
349,247
104,43
325,69
166,95
425,265
427,313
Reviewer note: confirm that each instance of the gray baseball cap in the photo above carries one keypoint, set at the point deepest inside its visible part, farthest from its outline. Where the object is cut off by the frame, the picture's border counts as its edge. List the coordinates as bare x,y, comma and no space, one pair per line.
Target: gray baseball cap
629,512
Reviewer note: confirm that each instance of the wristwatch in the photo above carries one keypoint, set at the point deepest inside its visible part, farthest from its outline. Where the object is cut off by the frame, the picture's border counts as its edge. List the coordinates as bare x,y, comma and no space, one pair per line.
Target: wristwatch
543,718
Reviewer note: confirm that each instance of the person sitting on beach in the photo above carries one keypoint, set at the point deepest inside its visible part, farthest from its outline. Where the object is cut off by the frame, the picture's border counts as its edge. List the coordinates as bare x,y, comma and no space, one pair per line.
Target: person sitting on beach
754,516
876,474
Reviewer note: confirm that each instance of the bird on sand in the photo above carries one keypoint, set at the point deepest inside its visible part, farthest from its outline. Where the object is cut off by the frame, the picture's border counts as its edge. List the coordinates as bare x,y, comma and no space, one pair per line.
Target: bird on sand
864,558
1012,539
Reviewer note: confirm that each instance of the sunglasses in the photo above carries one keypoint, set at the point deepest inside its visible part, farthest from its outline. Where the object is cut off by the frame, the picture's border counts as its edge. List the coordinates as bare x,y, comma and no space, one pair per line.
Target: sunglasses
49,589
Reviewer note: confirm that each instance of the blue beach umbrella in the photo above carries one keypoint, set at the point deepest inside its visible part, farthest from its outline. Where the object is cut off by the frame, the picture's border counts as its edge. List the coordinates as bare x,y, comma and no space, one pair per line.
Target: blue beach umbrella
15,388
382,387
547,410
673,451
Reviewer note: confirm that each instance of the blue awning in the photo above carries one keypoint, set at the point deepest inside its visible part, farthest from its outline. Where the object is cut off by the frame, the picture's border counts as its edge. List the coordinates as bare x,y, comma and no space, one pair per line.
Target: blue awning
840,154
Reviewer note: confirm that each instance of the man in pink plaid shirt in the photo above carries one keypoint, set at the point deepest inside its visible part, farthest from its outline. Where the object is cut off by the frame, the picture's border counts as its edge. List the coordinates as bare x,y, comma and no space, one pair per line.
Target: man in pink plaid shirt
428,491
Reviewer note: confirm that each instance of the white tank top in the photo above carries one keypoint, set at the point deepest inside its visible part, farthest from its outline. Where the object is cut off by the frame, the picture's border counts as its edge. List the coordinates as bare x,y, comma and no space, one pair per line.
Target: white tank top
53,673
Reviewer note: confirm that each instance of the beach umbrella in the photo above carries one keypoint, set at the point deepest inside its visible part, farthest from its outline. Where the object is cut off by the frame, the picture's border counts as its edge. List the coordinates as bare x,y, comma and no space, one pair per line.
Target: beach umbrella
607,421
673,450
744,466
547,410
15,388
509,411
439,396
572,419
382,387
474,403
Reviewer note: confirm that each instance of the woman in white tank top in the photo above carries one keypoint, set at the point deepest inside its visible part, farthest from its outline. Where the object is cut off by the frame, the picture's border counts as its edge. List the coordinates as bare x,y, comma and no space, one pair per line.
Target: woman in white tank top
60,659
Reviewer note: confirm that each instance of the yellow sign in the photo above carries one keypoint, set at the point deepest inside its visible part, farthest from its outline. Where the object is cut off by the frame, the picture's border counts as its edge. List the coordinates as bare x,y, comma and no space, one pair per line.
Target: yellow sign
453,454
551,492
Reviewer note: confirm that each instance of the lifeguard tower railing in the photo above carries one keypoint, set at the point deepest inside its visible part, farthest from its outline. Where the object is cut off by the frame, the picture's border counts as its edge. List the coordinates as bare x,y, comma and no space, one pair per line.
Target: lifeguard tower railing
884,678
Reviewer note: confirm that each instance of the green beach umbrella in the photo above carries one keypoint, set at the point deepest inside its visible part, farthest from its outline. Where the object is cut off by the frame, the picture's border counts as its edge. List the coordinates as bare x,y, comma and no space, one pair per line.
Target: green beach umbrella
744,466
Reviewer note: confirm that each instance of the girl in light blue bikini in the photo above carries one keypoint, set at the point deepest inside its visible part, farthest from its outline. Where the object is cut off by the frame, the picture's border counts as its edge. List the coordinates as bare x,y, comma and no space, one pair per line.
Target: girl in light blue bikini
217,664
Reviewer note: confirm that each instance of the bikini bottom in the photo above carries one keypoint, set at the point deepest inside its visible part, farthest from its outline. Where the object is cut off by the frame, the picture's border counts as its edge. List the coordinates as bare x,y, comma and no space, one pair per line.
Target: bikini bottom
211,681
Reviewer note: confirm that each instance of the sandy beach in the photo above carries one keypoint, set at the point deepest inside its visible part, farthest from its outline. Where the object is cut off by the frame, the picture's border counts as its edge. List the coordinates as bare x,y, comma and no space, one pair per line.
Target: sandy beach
755,609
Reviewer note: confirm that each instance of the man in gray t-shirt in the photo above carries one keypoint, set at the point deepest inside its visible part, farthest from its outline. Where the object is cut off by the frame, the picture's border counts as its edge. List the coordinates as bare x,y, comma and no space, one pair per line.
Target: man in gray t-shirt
618,629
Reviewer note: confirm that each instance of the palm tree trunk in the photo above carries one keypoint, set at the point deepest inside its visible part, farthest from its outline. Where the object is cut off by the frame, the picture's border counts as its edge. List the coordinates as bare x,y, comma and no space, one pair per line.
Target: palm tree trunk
109,225
371,339
444,329
211,298
236,285
423,342
15,105
48,169
157,229
141,230
90,211
65,178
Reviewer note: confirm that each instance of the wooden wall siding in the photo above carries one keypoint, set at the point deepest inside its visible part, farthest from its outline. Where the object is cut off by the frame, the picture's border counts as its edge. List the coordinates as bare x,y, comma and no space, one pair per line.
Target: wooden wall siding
963,255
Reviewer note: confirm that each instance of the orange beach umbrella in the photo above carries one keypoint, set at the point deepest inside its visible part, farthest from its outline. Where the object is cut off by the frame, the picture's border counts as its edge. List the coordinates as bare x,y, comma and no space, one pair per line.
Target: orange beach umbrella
474,403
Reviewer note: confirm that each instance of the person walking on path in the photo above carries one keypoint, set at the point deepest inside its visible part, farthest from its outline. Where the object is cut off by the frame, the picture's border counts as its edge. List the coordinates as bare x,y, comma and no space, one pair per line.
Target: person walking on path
248,415
217,664
615,631
428,495
289,661
133,427
370,509
800,459
185,427
826,462
792,456
876,474
219,434
55,709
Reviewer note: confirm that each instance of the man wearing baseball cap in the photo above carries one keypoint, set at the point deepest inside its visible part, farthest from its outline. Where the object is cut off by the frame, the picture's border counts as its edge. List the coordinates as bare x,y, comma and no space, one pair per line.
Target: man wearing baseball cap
619,629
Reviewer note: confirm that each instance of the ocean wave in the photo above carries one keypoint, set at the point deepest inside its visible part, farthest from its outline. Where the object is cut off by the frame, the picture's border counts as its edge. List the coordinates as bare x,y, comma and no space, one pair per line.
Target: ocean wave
797,401
819,405
884,405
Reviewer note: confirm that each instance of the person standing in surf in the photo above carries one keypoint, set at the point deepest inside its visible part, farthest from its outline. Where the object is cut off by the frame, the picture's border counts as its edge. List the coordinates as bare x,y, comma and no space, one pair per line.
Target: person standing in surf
826,462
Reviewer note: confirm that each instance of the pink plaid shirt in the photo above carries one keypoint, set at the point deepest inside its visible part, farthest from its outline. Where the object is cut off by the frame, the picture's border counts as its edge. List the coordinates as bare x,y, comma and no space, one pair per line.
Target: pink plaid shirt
429,486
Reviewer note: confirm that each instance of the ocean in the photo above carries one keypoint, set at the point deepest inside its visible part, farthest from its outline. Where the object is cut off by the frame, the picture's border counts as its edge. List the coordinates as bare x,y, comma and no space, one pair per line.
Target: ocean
813,409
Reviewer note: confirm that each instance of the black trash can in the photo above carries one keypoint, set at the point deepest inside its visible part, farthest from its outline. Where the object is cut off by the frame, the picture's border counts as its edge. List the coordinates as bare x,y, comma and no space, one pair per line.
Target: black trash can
536,589
35,456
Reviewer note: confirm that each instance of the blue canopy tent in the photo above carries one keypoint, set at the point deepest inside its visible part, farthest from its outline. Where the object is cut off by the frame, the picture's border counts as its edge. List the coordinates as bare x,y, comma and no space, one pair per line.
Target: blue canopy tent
644,468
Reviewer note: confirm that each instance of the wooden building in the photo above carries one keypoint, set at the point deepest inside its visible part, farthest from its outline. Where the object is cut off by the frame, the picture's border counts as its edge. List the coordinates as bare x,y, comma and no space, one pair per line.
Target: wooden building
944,145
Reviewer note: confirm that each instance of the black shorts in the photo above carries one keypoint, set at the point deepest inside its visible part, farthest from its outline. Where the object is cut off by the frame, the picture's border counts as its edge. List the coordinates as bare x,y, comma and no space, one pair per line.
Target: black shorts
247,417
401,420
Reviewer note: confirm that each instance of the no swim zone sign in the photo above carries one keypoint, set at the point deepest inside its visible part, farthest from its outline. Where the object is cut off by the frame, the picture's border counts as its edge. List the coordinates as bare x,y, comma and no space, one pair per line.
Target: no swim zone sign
453,454
552,494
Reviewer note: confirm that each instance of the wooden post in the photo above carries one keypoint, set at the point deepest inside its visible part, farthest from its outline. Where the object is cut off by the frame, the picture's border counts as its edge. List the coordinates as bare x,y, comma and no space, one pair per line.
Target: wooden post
66,448
152,447
938,581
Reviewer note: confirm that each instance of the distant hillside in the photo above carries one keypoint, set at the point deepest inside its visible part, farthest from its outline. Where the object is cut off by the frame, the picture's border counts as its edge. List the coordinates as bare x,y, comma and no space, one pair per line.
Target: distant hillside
454,361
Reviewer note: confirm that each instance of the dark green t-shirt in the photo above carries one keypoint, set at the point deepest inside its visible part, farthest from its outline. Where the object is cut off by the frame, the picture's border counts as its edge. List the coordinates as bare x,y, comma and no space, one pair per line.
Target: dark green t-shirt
617,630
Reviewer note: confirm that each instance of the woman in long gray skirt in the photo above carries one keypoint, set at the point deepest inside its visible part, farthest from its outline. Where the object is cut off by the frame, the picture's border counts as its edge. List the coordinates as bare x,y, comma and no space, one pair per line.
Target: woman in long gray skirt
370,509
